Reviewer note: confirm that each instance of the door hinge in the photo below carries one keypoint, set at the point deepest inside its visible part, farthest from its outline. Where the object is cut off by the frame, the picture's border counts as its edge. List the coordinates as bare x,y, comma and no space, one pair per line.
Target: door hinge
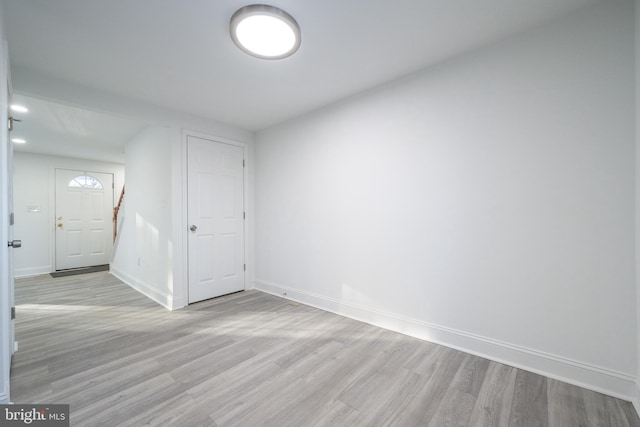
13,313
245,267
244,215
242,162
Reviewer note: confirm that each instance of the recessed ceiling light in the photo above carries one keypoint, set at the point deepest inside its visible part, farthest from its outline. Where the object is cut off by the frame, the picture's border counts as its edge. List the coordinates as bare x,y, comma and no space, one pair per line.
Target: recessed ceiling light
265,31
18,140
19,108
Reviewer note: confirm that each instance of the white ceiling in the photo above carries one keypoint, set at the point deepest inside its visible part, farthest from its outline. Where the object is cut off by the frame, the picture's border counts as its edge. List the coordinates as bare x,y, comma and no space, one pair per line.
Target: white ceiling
178,53
63,130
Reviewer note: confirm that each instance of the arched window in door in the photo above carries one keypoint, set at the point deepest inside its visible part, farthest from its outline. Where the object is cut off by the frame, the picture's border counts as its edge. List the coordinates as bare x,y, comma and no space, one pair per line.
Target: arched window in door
85,181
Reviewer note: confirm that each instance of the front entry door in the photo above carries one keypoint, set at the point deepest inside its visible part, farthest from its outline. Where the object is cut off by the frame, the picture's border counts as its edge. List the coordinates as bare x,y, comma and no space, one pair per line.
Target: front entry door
216,218
84,218
7,322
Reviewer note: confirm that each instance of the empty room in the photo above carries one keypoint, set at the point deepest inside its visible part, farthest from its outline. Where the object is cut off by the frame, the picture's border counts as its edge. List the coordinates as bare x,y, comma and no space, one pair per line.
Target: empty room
345,213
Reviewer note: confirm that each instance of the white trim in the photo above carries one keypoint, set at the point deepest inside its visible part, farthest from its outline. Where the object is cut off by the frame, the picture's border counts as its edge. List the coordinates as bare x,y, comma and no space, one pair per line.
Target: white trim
32,271
165,300
178,303
184,242
589,376
177,220
185,214
636,398
4,399
186,132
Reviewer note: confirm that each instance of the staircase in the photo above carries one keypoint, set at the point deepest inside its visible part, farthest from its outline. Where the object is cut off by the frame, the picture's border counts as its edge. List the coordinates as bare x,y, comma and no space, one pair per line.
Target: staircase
115,214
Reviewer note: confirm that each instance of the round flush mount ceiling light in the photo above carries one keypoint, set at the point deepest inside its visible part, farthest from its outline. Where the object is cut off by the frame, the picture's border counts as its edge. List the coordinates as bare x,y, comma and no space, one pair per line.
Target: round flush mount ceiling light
265,31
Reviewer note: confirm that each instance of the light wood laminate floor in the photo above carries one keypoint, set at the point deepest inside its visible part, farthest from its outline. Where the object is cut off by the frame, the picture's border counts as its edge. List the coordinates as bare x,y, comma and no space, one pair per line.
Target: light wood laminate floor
252,359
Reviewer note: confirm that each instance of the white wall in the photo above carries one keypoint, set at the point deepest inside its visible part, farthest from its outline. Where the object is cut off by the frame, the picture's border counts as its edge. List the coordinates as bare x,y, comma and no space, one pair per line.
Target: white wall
34,185
486,203
144,248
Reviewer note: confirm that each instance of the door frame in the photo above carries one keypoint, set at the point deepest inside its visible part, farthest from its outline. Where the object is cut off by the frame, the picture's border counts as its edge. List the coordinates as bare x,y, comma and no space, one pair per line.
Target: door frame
70,163
181,223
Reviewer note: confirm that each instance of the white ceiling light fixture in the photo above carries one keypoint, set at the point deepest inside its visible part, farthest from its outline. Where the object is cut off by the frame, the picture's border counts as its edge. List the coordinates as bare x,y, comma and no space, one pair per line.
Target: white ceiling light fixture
18,141
265,32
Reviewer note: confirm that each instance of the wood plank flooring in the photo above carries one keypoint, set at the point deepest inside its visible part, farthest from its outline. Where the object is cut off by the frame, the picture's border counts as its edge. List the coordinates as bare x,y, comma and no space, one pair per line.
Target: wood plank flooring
252,359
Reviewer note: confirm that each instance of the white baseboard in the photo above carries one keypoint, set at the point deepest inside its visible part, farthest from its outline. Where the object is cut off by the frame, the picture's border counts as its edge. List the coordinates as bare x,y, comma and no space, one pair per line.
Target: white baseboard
32,271
582,374
145,289
636,398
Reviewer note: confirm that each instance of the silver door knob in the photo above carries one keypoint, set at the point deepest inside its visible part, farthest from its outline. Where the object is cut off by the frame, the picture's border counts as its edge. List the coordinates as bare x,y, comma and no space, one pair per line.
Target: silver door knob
193,228
15,244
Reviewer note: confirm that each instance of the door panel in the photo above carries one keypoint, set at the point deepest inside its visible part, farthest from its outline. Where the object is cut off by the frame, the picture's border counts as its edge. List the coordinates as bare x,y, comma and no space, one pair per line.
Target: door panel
97,242
229,254
216,209
84,215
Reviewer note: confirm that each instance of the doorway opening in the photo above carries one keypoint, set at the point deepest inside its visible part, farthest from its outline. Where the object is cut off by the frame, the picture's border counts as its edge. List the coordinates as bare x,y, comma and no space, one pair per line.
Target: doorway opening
84,218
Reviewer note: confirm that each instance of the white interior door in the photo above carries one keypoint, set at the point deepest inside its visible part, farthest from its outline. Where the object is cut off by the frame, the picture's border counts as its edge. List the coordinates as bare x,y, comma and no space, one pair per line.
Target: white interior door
14,243
84,218
7,324
216,218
